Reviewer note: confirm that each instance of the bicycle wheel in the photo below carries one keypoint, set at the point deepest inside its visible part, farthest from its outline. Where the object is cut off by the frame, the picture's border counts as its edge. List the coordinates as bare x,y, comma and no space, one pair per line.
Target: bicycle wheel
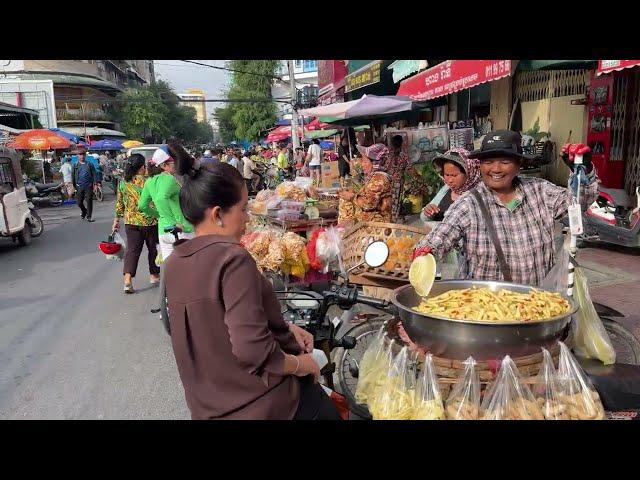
37,226
625,344
99,193
347,362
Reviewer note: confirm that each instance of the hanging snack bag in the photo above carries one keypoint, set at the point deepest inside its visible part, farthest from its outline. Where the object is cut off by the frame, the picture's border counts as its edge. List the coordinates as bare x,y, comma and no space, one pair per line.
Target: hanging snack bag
463,402
428,403
374,367
395,400
545,389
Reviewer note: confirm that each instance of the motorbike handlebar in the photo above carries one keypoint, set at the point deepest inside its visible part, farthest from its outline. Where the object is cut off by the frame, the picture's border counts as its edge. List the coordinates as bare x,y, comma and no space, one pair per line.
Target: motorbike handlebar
374,302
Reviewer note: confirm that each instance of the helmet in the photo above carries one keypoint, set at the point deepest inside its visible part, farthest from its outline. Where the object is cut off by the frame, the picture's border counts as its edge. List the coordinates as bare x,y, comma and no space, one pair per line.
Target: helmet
109,248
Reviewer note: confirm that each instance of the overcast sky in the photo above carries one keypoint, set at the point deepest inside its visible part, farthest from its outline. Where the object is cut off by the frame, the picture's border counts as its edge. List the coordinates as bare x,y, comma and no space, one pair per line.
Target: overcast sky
183,76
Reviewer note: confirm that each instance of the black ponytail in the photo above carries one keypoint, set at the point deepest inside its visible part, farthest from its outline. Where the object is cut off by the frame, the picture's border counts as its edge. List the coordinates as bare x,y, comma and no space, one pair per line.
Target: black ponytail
184,162
135,163
218,185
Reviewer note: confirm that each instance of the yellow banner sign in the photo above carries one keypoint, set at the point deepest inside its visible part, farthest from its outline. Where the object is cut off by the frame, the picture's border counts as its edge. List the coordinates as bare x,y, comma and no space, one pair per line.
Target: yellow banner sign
368,75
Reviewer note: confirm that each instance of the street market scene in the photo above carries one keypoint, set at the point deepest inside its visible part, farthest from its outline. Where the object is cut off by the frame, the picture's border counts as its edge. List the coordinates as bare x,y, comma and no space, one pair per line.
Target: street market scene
320,239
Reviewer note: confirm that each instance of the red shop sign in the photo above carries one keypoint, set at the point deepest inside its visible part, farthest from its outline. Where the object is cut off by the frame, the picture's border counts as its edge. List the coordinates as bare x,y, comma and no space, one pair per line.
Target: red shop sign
452,76
607,66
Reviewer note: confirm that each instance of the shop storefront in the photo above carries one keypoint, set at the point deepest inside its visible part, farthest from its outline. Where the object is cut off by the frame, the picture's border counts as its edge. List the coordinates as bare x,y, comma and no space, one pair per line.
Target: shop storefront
331,81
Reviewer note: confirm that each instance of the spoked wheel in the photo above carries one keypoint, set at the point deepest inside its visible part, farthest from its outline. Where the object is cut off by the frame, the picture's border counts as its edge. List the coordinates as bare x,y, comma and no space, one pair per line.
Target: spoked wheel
99,194
347,362
625,344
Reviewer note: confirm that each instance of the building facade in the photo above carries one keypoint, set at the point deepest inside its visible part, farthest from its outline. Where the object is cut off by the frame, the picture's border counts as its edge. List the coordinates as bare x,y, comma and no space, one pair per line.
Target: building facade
195,98
305,73
72,94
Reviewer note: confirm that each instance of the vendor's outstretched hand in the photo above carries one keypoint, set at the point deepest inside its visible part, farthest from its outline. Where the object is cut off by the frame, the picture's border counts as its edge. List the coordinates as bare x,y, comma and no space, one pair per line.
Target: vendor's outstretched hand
419,252
569,152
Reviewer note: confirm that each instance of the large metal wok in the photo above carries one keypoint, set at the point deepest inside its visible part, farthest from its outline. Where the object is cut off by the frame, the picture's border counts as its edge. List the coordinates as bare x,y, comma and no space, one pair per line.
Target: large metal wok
458,339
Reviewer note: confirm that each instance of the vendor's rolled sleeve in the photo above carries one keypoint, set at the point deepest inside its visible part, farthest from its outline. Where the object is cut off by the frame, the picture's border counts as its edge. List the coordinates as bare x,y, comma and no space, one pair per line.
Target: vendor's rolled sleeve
252,342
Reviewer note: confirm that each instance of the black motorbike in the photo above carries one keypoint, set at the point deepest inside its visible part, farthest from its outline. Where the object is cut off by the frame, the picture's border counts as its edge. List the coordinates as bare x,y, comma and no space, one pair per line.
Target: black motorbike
45,194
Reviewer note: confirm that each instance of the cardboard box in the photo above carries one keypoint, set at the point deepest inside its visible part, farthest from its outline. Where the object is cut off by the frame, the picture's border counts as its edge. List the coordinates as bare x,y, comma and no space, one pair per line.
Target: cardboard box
330,175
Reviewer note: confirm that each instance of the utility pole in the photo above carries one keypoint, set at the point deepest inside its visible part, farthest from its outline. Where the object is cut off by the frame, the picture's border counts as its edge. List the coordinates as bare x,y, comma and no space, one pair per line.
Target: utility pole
294,113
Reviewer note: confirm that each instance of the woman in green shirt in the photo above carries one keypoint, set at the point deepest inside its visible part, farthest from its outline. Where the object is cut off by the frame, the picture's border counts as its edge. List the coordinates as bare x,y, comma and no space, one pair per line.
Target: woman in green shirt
164,191
139,227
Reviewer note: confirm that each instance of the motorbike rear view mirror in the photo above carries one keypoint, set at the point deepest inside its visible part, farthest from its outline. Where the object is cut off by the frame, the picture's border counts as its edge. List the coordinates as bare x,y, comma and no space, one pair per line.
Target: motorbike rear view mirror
376,254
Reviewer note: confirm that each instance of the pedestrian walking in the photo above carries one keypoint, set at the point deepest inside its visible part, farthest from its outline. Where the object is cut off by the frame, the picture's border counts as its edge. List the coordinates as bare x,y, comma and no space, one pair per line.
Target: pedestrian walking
84,178
140,228
67,176
314,160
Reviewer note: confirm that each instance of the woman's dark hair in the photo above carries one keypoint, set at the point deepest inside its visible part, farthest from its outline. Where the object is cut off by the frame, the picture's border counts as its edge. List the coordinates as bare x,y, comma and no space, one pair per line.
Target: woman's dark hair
218,185
136,162
396,141
316,141
184,162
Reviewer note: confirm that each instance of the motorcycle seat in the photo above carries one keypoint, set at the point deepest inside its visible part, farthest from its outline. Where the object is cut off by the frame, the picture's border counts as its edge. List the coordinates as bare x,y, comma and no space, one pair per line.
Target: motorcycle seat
46,186
619,196
617,384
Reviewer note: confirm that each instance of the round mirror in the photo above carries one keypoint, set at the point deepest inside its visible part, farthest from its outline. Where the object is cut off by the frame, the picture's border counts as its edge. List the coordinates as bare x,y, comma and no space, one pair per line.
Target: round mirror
376,254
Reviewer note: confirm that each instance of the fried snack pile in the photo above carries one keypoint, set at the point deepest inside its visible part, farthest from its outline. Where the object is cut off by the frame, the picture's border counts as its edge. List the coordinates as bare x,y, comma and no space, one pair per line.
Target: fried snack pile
483,304
400,251
290,191
278,253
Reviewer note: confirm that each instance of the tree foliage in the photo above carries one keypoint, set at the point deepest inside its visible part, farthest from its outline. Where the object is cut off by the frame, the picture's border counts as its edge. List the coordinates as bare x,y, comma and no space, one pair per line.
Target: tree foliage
249,119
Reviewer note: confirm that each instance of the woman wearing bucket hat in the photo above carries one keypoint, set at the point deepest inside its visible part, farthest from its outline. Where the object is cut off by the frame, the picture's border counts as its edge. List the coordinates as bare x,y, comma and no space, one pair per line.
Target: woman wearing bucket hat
507,222
373,202
460,174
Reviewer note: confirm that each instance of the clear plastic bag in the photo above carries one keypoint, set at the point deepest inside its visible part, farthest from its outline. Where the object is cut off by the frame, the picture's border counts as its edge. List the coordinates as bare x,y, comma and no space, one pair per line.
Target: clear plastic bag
463,402
428,399
557,278
545,389
575,391
507,398
329,248
373,367
395,400
590,339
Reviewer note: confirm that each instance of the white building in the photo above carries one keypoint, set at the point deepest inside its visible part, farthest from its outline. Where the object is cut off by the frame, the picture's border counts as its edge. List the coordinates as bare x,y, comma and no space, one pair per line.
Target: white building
305,74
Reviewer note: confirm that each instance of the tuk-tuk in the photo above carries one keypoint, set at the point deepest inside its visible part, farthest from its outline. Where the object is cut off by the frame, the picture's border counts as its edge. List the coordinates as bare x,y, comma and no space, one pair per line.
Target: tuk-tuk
18,220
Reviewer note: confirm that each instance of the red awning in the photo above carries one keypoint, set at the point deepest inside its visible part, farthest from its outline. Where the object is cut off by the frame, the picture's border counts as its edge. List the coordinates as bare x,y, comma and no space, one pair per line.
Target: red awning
452,76
608,66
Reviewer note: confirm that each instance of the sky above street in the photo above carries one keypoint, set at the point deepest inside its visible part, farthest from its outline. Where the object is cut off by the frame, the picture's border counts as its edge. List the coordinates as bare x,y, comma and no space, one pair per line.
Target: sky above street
182,76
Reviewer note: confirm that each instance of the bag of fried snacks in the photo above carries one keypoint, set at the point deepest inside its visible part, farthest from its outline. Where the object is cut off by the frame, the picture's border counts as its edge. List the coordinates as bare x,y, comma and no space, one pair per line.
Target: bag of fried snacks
463,402
575,390
507,398
545,389
373,367
428,403
395,399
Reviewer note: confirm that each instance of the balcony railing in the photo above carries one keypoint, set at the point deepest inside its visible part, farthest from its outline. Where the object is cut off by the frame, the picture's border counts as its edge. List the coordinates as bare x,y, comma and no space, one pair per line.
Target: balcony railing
63,114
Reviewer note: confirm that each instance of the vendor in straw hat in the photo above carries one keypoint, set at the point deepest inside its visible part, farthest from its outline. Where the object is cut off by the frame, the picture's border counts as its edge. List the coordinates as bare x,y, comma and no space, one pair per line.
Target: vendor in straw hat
522,210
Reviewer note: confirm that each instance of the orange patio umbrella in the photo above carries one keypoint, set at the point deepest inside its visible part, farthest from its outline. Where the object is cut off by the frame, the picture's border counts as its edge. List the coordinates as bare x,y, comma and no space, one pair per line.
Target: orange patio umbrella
40,139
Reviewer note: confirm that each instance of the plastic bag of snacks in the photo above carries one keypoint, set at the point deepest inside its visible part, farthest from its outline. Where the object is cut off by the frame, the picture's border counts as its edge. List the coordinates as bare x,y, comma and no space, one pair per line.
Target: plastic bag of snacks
428,400
463,402
575,391
395,400
373,367
507,398
545,389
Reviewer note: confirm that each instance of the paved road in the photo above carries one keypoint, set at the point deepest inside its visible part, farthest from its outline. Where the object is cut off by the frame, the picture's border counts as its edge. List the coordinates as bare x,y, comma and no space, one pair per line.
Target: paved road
72,345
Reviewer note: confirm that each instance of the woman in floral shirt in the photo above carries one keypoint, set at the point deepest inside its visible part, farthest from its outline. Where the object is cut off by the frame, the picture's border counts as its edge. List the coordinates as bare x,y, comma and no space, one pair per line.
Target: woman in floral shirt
372,203
140,228
395,164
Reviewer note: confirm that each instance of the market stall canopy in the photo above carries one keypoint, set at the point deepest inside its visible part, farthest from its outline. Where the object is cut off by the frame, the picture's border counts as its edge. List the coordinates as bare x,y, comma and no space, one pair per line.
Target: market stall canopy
106,145
281,133
40,139
320,133
69,136
316,124
132,144
95,131
608,66
367,106
452,76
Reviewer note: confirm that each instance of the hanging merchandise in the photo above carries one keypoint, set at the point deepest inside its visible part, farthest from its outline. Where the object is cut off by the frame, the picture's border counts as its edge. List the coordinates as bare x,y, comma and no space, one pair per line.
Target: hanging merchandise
395,401
508,398
463,402
461,138
428,400
374,368
546,391
575,390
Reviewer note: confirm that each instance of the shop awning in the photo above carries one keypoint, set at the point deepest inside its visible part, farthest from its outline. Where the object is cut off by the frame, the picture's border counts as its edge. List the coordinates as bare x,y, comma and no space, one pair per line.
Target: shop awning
608,66
403,68
452,76
368,105
93,131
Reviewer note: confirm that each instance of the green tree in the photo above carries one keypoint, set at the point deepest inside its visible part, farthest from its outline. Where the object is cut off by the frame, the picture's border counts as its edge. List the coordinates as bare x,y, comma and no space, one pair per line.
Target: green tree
143,114
225,123
251,118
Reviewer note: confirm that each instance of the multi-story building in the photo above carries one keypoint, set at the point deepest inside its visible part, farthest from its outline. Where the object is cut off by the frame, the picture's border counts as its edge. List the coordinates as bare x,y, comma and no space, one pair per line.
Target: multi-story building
195,98
72,94
305,73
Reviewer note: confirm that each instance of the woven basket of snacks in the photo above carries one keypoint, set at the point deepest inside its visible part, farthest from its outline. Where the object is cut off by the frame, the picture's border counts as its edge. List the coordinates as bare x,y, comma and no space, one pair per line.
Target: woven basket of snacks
401,240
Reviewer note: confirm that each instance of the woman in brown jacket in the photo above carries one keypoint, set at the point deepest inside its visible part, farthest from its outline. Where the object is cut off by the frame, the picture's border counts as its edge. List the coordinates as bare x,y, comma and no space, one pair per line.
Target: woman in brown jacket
237,357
